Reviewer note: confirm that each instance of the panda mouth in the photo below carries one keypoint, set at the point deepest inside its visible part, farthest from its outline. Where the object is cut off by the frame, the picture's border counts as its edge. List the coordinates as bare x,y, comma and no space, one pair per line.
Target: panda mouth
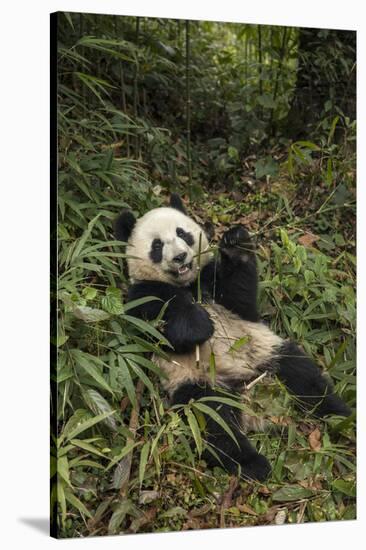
182,270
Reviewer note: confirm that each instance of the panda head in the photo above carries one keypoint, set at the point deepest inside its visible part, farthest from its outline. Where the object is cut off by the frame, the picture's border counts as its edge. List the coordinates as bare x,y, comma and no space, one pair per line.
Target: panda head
163,245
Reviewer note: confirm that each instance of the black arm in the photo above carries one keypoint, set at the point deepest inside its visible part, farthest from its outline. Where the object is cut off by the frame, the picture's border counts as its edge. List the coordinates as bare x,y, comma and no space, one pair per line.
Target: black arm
186,323
232,279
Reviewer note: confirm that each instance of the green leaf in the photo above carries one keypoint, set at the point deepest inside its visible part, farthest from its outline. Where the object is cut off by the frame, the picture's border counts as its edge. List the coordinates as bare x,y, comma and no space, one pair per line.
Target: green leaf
63,469
145,327
87,447
86,425
238,344
61,500
193,424
216,417
111,302
125,451
124,376
96,403
156,439
118,516
74,501
346,487
173,512
266,167
140,373
140,302
291,492
143,461
85,361
90,314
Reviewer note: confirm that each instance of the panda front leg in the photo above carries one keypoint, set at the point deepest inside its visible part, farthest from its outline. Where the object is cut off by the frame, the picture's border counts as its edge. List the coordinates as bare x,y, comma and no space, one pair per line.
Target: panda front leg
305,381
238,273
236,458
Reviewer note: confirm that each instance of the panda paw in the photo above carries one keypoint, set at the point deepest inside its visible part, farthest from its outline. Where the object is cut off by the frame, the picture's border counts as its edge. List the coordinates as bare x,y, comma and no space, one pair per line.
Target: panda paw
257,469
236,243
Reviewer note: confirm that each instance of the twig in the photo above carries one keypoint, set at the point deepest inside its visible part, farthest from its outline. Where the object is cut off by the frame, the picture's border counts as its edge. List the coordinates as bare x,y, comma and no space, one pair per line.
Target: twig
227,499
132,427
255,381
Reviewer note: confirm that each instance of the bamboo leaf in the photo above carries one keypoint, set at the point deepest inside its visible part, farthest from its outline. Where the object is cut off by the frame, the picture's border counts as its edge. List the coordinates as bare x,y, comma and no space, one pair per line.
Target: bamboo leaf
143,461
74,501
125,378
216,417
192,421
87,424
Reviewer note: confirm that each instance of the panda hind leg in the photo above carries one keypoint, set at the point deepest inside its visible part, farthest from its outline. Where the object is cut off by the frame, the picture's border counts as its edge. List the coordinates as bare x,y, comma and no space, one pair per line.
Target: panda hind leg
236,457
305,381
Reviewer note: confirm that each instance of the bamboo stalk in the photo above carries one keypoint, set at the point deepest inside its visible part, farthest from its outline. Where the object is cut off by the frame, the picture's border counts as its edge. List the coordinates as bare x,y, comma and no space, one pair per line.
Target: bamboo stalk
123,87
188,108
278,72
135,89
260,59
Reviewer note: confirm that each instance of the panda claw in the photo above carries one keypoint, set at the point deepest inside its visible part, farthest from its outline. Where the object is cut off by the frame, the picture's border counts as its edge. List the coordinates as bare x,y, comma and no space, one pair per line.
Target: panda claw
236,242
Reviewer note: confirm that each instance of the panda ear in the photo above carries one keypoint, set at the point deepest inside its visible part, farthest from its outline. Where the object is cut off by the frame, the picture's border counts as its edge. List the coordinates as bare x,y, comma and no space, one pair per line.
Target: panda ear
123,225
176,202
209,229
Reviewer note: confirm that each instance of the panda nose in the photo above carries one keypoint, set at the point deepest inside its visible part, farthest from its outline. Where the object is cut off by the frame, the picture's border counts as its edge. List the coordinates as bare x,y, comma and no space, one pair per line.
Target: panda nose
180,258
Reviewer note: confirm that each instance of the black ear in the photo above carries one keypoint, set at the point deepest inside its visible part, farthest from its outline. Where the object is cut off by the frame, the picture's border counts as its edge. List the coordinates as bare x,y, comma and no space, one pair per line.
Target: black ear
209,230
123,225
176,202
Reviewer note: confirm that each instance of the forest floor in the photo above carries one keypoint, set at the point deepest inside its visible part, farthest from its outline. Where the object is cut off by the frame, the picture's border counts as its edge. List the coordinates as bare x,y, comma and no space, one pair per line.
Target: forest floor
313,477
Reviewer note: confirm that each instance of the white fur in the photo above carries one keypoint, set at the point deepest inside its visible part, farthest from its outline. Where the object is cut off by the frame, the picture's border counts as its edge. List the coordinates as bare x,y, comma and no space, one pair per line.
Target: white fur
162,223
257,351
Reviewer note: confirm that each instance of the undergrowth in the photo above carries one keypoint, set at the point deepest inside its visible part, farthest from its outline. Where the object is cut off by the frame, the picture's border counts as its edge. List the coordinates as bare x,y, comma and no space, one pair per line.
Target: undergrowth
122,459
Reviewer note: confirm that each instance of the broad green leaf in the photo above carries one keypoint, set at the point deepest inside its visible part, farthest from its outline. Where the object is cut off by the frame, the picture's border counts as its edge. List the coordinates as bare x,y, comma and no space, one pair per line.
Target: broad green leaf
346,487
291,492
87,424
90,314
96,403
63,469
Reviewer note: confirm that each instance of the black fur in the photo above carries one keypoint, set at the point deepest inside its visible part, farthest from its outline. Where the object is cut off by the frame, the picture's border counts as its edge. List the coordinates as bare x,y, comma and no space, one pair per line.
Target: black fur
242,458
306,382
156,252
123,225
186,323
176,202
186,236
231,279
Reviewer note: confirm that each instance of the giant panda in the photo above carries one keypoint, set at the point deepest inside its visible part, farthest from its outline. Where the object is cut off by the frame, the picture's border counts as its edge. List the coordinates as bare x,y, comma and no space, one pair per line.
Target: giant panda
167,251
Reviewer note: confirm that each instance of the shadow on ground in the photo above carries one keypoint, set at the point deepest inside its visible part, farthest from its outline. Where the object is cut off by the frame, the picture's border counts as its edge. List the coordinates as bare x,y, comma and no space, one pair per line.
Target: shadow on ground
40,524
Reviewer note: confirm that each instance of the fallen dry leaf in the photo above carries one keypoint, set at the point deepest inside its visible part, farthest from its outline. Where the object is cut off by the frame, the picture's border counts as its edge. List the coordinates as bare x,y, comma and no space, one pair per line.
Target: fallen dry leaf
246,509
315,440
308,239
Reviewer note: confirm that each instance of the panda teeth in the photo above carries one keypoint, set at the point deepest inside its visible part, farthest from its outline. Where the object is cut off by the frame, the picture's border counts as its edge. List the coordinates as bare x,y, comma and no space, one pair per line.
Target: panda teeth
183,269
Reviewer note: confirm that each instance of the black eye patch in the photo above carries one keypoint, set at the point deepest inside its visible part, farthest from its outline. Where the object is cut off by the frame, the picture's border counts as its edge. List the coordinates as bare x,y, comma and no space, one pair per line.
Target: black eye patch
185,235
156,252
